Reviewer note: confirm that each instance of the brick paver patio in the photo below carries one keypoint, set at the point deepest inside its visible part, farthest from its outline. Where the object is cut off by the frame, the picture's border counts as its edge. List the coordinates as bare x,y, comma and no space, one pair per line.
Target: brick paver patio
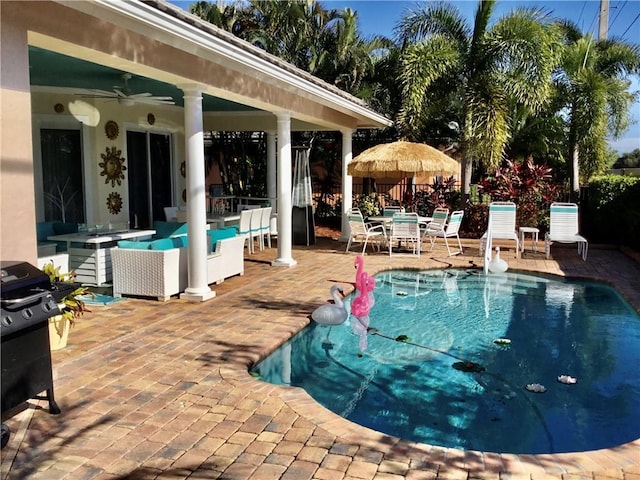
151,390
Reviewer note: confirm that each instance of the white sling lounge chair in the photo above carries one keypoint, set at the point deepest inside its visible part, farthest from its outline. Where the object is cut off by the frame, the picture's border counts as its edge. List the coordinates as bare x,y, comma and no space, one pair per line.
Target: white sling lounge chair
563,228
502,217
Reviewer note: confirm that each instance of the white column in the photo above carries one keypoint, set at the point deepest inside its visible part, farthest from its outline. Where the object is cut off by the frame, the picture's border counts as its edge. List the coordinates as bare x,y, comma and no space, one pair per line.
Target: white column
271,169
284,192
347,182
198,288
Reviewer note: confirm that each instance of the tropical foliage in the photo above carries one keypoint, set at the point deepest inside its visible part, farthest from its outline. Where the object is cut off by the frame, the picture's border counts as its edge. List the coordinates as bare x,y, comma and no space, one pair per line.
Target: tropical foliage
524,87
628,160
593,81
483,71
613,210
528,185
72,307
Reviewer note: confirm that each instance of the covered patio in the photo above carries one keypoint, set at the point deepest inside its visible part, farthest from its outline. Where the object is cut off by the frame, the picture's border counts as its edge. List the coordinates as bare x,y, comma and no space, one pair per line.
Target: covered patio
60,58
152,390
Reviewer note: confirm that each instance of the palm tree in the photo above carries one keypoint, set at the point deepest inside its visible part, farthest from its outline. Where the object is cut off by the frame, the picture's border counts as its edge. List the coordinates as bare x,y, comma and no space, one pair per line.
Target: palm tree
594,83
289,29
480,70
229,17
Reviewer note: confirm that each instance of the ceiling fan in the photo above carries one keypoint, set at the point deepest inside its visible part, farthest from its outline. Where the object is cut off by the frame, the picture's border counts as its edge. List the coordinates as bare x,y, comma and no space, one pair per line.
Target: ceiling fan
124,95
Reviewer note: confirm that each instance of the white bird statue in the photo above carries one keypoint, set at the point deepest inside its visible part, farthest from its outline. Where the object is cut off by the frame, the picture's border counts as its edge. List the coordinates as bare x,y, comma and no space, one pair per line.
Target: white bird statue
332,313
498,265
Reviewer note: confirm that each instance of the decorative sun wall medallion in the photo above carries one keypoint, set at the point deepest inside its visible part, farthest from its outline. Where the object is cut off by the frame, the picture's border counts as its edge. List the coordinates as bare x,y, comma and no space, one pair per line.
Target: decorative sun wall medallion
183,169
112,166
58,108
151,118
114,203
111,130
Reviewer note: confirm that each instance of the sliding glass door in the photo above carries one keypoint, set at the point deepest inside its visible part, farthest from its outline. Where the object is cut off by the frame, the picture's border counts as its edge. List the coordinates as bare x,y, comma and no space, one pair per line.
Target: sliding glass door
149,171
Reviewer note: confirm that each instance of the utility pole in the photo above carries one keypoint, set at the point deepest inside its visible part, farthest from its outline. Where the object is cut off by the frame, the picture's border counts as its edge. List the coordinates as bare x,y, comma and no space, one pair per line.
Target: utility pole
603,26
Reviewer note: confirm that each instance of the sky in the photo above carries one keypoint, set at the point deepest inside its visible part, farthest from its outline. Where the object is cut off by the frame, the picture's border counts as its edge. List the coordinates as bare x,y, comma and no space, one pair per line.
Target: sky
379,17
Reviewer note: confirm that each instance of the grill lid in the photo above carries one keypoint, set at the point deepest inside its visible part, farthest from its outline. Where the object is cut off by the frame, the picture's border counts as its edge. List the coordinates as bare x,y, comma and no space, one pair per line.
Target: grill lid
17,277
25,297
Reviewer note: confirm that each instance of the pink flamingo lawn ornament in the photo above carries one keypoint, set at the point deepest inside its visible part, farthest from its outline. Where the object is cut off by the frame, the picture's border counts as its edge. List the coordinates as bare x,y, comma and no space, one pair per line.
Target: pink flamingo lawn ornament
359,263
361,305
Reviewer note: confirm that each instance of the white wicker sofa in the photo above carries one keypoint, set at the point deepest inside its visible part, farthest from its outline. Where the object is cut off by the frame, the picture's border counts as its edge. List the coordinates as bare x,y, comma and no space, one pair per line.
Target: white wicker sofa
162,272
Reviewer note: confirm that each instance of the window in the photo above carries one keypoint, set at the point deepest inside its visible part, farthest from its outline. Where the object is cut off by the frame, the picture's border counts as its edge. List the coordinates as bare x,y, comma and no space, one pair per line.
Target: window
62,175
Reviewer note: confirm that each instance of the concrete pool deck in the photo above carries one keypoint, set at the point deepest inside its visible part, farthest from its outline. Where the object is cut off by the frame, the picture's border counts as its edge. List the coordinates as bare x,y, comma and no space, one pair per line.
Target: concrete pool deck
161,390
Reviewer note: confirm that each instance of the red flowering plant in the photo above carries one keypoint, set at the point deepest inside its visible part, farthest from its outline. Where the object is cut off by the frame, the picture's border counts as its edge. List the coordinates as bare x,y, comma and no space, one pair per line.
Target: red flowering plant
443,192
528,185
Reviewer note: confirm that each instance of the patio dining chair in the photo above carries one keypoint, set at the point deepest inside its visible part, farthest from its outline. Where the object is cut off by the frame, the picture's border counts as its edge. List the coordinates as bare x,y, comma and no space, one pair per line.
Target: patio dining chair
256,228
502,218
361,231
405,227
451,230
391,210
438,222
563,228
265,225
244,229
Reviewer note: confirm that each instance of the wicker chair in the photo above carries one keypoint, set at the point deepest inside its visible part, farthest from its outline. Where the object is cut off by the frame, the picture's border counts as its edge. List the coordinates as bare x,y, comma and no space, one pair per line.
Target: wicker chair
149,273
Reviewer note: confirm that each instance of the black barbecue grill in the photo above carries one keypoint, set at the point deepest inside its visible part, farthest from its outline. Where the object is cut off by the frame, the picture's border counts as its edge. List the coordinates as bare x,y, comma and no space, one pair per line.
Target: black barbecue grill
28,299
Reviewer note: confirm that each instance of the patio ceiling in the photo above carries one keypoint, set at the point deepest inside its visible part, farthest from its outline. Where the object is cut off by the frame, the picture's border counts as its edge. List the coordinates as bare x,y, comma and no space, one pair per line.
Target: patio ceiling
52,71
167,50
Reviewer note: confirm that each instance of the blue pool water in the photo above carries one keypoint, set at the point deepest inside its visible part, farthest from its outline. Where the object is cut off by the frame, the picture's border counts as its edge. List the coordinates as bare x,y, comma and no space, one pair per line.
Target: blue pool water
403,383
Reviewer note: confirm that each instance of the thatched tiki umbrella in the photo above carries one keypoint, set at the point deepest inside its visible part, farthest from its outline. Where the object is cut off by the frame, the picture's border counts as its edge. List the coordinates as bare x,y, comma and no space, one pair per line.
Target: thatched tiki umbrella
402,159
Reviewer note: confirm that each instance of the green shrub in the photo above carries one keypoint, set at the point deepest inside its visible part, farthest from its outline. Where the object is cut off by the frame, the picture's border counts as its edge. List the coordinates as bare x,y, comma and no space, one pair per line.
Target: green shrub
369,204
613,210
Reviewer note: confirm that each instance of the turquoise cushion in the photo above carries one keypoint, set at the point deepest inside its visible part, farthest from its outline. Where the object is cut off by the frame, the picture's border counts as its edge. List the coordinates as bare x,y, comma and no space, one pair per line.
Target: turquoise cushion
134,245
162,244
219,234
64,228
181,241
166,229
180,229
44,230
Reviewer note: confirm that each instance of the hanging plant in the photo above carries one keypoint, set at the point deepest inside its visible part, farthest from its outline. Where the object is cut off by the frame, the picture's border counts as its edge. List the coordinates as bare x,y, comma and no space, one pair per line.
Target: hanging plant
112,166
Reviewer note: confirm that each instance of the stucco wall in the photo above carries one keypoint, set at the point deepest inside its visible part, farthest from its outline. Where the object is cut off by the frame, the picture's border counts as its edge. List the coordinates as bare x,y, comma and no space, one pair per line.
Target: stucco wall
17,216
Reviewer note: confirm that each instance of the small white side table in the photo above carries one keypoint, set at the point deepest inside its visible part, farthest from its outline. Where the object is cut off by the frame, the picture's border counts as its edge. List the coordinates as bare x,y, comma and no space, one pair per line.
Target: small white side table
534,237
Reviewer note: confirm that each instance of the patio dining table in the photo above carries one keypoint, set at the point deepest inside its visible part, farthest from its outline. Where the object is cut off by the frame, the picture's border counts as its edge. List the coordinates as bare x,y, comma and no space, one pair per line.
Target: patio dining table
386,221
222,220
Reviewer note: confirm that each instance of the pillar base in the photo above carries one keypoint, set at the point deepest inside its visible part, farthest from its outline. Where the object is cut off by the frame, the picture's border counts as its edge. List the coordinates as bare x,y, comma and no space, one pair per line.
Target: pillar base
284,262
197,295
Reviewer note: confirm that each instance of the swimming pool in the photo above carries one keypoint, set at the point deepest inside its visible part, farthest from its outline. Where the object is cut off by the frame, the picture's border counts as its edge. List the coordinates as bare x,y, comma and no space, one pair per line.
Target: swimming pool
512,330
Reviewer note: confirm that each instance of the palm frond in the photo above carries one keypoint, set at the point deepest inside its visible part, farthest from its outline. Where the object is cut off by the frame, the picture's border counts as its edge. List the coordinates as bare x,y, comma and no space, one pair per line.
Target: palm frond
434,19
422,65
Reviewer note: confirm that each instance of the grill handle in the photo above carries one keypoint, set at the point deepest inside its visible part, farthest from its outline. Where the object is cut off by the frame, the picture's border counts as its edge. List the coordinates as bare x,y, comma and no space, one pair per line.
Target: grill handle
31,298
